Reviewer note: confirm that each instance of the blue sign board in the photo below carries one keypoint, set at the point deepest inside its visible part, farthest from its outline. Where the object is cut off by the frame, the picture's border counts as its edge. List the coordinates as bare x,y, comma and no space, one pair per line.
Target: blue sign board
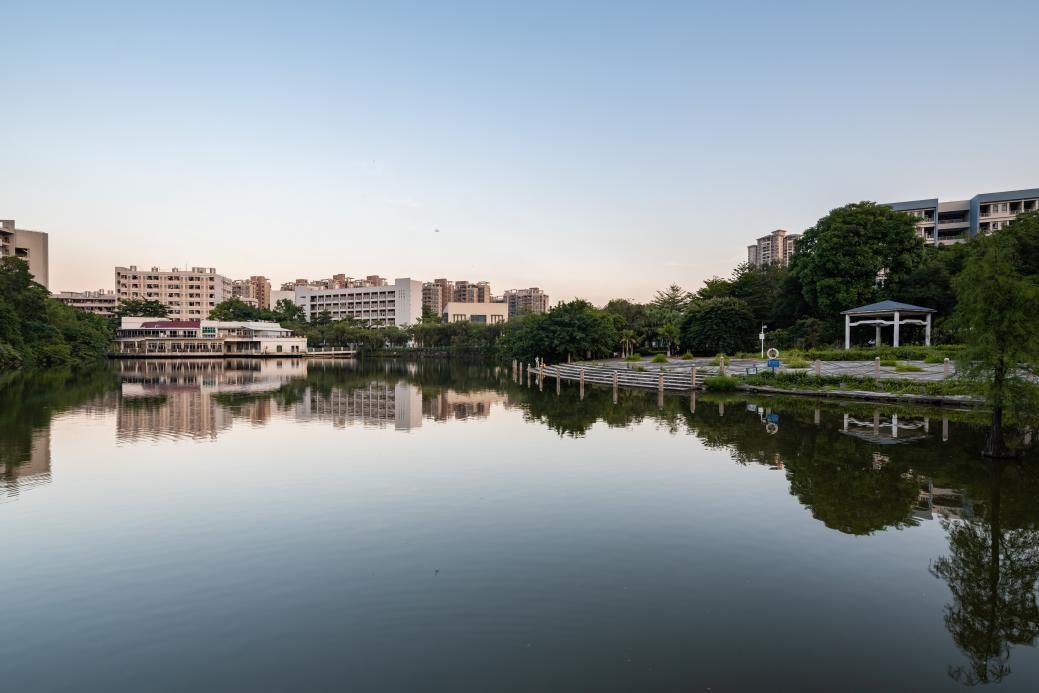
773,363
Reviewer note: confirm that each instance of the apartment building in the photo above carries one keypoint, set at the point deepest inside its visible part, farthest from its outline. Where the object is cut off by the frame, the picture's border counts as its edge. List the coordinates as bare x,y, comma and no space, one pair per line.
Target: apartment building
31,246
526,301
98,302
775,248
255,290
189,294
379,304
481,313
466,292
337,281
944,223
436,294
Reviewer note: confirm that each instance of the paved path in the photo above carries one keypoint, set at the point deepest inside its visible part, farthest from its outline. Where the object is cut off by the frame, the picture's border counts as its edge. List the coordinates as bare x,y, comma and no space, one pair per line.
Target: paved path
931,371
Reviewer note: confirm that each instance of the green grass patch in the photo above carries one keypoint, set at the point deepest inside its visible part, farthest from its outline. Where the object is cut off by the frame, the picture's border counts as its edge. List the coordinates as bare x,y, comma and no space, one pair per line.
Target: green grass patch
908,368
687,356
806,381
796,362
717,360
659,358
633,357
721,383
889,363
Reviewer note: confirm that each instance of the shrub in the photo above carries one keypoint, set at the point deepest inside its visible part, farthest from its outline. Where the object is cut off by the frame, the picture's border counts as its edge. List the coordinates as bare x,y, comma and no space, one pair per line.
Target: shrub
934,358
796,362
633,357
717,360
687,356
908,368
641,369
720,383
659,358
888,363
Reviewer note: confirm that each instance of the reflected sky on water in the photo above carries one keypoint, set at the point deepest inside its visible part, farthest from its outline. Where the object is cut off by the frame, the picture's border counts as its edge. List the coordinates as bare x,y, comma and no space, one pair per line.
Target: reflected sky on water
324,525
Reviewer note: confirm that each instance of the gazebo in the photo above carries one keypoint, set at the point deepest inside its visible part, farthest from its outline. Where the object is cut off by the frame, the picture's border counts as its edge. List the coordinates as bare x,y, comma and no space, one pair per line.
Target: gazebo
877,314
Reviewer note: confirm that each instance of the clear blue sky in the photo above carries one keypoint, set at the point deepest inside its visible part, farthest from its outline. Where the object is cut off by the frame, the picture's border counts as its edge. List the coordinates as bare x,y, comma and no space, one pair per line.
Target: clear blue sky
592,149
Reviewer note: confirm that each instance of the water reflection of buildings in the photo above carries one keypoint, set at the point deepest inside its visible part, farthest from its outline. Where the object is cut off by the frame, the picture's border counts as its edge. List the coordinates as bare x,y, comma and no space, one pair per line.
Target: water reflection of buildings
189,398
376,404
450,404
17,475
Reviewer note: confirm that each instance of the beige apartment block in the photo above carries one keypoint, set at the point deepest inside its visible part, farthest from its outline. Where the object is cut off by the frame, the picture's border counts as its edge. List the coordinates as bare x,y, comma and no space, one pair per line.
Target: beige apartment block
255,290
526,301
31,246
189,293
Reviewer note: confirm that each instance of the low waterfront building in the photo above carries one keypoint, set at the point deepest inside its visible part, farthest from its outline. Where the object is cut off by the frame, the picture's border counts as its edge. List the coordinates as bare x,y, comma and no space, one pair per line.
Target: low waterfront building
138,336
526,301
98,302
376,304
31,246
189,294
945,223
482,313
773,249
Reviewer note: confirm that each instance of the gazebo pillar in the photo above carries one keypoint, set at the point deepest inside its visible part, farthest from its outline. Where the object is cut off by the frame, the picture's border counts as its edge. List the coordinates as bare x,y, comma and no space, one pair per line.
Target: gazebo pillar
927,331
877,343
847,331
897,319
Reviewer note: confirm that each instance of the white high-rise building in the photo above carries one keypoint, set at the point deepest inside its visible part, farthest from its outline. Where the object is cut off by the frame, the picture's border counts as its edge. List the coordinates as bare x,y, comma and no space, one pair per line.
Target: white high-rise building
398,304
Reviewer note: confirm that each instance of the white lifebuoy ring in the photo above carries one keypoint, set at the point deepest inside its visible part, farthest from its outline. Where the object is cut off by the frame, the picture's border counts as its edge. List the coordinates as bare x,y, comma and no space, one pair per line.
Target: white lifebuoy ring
773,353
771,428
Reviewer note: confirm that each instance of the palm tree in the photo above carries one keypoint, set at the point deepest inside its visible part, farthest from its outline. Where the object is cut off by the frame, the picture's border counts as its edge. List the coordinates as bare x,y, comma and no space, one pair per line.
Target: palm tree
669,333
629,340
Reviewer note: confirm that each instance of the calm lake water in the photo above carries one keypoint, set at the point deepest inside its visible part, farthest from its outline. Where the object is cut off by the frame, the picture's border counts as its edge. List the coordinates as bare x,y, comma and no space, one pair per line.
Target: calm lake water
385,526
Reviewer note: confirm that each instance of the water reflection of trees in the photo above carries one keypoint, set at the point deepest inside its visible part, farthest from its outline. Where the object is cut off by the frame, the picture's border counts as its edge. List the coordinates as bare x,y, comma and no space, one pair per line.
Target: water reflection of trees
992,571
28,402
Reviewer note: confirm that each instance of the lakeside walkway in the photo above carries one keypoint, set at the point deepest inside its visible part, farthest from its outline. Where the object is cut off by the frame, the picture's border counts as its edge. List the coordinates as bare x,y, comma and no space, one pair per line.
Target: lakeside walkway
679,375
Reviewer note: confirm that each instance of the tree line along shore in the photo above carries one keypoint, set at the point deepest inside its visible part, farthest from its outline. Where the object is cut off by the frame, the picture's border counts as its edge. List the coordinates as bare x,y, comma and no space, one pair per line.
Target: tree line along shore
985,293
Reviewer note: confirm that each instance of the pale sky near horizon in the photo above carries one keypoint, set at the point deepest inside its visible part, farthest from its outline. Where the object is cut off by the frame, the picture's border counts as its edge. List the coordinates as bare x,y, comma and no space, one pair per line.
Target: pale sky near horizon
593,149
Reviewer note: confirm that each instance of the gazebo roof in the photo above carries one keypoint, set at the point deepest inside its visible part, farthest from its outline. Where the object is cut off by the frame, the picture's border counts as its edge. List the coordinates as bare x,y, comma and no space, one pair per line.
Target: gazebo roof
887,307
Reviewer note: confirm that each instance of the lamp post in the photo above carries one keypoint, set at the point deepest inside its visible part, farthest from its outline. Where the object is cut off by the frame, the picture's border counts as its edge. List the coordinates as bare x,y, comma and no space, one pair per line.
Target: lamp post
761,337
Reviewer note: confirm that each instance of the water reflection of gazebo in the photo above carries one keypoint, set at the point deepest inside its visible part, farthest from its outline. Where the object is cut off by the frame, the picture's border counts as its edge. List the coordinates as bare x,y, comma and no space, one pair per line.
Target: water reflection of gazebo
887,313
887,430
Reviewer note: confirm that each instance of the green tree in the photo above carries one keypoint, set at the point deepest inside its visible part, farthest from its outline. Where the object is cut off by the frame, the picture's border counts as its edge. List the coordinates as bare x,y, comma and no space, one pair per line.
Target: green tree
142,309
847,258
998,301
629,340
37,330
286,310
718,325
759,287
715,287
235,308
930,283
570,329
670,333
